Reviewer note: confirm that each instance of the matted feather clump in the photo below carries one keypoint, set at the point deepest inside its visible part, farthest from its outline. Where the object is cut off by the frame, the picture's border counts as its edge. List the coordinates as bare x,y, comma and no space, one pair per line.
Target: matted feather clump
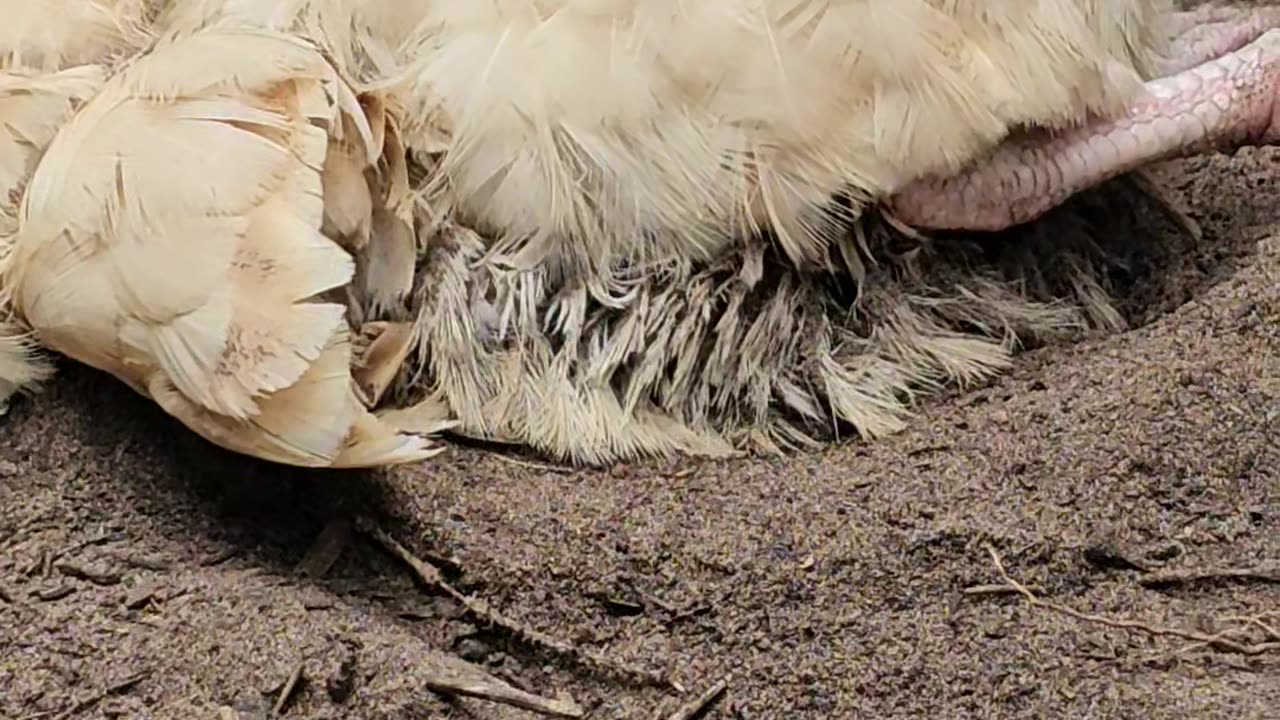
752,353
602,230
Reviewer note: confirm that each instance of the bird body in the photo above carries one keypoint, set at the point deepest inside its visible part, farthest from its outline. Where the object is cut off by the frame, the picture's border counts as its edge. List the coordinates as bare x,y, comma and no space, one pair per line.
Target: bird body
651,199
601,228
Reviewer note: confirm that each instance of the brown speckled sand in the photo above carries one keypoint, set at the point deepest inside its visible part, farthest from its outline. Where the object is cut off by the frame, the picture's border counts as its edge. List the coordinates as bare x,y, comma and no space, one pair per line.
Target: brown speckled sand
830,584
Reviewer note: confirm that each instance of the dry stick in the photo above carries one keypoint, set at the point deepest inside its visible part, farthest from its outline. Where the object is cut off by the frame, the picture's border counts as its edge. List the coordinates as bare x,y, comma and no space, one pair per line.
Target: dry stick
1220,641
530,464
80,706
287,690
476,683
692,708
1000,589
1187,577
486,687
481,610
1259,622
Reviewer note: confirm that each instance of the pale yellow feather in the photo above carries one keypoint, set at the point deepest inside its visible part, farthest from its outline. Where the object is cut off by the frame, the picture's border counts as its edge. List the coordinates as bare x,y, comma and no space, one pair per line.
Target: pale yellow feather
171,236
51,35
587,135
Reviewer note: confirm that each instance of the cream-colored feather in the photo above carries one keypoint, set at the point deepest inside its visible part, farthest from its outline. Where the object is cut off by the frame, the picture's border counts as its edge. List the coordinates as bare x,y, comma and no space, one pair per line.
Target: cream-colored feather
46,55
589,135
361,36
51,35
171,236
33,106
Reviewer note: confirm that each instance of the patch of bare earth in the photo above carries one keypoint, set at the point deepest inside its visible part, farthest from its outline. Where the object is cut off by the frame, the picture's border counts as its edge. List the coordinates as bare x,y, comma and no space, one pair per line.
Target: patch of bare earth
145,574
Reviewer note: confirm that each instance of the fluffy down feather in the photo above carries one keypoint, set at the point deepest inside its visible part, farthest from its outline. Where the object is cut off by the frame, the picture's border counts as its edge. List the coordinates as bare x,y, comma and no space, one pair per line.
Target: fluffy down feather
361,36
51,35
171,236
590,135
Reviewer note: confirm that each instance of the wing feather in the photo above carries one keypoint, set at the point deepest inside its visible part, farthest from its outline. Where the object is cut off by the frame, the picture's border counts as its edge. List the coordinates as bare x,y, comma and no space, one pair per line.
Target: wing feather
171,235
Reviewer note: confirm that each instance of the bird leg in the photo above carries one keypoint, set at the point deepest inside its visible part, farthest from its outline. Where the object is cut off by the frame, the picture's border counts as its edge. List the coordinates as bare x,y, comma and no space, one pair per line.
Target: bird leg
1230,102
1210,32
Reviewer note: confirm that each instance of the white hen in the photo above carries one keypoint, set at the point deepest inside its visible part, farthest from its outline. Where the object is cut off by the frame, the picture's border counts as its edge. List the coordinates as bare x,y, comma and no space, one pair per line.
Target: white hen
640,227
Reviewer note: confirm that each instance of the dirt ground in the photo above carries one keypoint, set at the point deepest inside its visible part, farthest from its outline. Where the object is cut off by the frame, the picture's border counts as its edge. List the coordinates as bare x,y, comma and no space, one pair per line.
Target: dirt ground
144,574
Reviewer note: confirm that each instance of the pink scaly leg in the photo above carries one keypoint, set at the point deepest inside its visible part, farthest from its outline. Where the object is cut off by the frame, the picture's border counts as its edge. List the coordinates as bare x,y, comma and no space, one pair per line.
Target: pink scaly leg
1230,102
1208,33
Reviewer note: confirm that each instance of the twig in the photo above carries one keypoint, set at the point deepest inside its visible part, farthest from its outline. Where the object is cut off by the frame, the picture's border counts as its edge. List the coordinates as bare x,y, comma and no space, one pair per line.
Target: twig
1220,641
996,589
529,464
486,687
287,690
696,706
1259,621
85,571
113,689
1188,577
482,611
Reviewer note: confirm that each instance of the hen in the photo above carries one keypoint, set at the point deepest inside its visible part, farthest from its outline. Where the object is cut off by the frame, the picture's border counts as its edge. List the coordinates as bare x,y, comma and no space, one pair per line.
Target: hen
601,228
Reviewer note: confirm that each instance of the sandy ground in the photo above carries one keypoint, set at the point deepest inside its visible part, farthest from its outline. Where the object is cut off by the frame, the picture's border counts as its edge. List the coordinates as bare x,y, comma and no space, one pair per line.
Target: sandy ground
144,574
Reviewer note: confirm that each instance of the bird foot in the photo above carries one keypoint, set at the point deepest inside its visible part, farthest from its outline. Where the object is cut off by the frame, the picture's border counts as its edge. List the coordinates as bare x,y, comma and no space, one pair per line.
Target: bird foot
1209,32
1228,102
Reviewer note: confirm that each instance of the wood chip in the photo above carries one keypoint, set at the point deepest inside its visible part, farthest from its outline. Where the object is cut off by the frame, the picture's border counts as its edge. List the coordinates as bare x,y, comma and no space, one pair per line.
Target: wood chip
326,549
139,597
51,594
1000,589
145,562
219,557
1195,575
698,705
96,574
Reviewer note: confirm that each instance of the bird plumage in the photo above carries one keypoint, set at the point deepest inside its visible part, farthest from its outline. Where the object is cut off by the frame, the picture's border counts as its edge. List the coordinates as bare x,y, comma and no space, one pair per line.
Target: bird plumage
589,134
171,236
48,56
663,192
622,233
33,106
53,35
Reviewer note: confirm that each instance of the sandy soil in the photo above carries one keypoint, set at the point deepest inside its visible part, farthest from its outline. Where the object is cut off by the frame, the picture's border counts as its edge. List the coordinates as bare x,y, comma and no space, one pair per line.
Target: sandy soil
144,574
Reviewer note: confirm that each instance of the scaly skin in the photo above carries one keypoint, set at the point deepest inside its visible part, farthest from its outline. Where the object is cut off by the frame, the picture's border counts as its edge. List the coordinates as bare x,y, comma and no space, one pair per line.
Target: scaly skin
1229,102
1210,33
